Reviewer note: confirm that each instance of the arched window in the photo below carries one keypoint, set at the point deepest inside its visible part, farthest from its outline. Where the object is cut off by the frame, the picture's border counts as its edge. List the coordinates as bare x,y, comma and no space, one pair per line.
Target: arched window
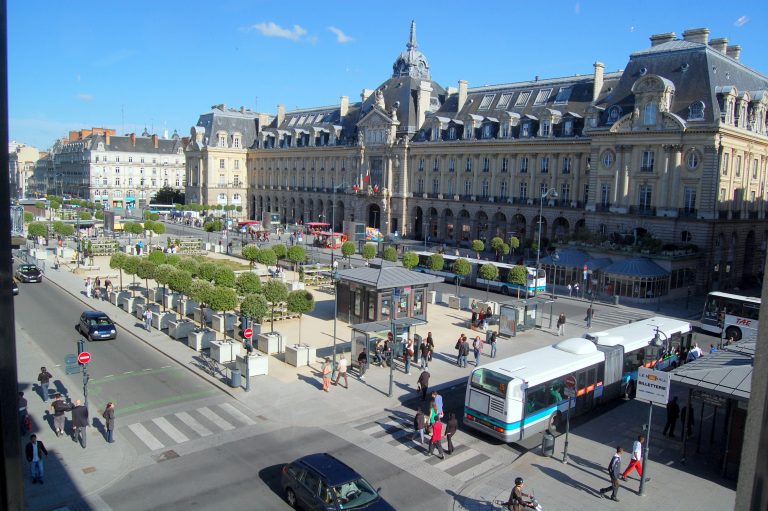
696,111
649,114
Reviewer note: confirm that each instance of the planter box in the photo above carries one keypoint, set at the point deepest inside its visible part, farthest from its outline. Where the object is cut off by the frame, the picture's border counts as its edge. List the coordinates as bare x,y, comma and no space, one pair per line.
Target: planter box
223,352
161,320
299,355
141,308
157,295
458,302
197,313
172,300
116,296
223,322
198,340
295,286
126,303
139,300
258,365
180,329
271,342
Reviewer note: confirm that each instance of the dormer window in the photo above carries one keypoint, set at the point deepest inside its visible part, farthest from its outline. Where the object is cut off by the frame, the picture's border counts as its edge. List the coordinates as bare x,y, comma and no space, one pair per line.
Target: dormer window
452,133
563,95
487,130
567,127
522,99
542,97
222,140
613,114
525,130
236,142
468,131
485,104
649,114
504,100
545,128
696,111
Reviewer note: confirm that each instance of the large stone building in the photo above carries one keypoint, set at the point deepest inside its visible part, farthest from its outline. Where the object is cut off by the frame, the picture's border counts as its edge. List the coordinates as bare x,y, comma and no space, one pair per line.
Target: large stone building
665,159
22,160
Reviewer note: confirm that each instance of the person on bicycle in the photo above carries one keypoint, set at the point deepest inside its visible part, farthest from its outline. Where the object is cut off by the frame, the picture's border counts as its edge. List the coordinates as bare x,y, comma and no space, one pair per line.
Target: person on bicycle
516,501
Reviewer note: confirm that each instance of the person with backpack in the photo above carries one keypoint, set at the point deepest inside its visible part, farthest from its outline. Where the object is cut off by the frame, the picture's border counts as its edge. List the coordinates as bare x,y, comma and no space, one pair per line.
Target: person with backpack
418,426
477,349
614,470
463,351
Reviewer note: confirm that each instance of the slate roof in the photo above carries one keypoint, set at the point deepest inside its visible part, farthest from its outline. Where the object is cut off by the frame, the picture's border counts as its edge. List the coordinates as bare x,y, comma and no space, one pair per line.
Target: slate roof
636,267
387,277
575,258
221,118
726,373
143,144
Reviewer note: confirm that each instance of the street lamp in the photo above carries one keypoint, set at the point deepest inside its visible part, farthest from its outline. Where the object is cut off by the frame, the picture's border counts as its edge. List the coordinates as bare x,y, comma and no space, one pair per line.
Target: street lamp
555,258
549,193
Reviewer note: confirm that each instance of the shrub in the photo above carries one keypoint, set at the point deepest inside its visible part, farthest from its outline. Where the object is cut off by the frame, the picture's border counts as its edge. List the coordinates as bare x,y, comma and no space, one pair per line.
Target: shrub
369,251
207,270
248,283
224,277
390,254
410,260
347,248
436,262
254,307
158,257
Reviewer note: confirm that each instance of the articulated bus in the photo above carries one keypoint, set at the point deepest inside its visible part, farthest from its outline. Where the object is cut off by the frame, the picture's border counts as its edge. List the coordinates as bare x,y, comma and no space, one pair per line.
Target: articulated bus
738,315
521,396
474,280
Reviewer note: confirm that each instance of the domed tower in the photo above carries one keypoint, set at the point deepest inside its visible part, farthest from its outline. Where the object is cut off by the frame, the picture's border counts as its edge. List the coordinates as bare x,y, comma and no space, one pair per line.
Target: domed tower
411,62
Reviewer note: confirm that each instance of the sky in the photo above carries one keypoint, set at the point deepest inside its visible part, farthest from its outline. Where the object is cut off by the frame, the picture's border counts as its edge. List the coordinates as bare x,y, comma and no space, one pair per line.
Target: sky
159,65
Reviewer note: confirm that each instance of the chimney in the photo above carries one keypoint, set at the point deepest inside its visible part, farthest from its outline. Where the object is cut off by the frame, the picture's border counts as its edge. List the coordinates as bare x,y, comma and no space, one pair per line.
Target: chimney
462,94
154,141
165,133
657,39
280,114
107,137
720,44
734,52
696,35
133,139
425,92
597,86
343,106
366,94
242,109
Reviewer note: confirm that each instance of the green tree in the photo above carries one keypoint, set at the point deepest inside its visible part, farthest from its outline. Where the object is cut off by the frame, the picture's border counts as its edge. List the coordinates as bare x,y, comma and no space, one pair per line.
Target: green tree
190,266
63,229
251,253
224,277
266,256
390,254
296,255
223,299
99,215
200,291
37,229
154,217
158,257
133,228
518,275
280,250
496,243
158,228
168,195
410,260
248,283
300,302
146,270
85,215
206,271
28,217
254,307
146,215
173,259
489,272
213,226
462,269
478,246
369,251
180,281
276,293
117,262
163,277
436,262
40,204
131,267
347,249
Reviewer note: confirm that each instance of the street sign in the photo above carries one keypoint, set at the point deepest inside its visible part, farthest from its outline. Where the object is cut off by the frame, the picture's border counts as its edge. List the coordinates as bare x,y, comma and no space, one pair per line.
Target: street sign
70,359
570,381
653,386
84,357
248,333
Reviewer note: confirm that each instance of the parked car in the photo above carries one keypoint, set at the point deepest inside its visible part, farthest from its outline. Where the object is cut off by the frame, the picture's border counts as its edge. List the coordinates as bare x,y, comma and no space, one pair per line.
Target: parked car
29,273
321,481
96,325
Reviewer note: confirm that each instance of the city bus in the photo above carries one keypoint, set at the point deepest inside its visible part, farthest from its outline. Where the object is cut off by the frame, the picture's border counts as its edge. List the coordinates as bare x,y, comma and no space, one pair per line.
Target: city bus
162,209
473,279
517,397
327,239
738,315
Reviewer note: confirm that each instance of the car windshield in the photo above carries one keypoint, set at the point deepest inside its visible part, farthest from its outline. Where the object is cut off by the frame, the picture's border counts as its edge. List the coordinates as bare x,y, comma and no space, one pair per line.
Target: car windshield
102,321
29,267
354,494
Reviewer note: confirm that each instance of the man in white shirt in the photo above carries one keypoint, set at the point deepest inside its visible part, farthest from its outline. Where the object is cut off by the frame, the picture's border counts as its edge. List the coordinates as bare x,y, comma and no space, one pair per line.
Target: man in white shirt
637,458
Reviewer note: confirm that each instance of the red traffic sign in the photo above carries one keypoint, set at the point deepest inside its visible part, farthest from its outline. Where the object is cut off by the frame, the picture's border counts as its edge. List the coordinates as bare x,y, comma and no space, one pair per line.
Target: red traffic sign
84,357
248,333
570,381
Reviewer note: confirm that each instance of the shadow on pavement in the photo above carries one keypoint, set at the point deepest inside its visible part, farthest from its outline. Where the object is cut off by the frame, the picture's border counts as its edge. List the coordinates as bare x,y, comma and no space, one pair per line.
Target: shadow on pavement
470,503
271,477
561,477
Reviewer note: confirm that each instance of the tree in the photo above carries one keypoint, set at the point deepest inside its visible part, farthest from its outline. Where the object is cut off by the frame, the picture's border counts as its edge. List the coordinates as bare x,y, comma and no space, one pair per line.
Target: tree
200,291
296,255
40,204
504,250
173,259
280,250
117,262
155,217
180,281
213,226
254,307
462,269
168,195
223,299
63,229
300,302
276,293
497,244
390,254
133,228
266,256
158,228
85,215
158,257
163,277
131,267
347,249
224,277
189,265
248,283
28,217
251,253
36,230
410,260
99,215
369,251
436,262
489,272
518,275
207,270
478,246
146,270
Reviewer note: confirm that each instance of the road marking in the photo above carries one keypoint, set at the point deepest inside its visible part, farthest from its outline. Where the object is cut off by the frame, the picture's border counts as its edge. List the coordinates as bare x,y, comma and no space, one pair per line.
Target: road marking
451,460
170,430
148,369
145,436
128,372
109,376
193,424
482,468
210,415
237,414
165,367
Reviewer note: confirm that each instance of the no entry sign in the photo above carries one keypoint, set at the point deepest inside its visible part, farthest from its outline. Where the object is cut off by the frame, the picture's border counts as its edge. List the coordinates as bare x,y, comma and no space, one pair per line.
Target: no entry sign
248,333
84,357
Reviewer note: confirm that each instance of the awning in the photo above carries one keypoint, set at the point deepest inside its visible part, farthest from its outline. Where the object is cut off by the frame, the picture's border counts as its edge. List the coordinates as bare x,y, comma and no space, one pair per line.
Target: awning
636,267
726,373
386,326
492,119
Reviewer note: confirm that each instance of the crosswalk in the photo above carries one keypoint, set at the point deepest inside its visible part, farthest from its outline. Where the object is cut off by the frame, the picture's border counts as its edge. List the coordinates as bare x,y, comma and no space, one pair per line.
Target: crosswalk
611,317
181,427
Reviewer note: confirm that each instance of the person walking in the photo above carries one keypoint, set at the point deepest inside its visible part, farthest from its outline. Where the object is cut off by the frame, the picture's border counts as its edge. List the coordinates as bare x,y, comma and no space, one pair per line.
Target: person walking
561,324
570,289
148,319
407,354
327,374
431,344
22,413
458,350
590,314
88,287
464,351
35,450
107,288
97,288
79,423
636,463
422,384
419,423
477,349
493,344
450,430
438,399
673,412
342,372
44,378
436,440
614,471
424,349
109,418
362,361
59,408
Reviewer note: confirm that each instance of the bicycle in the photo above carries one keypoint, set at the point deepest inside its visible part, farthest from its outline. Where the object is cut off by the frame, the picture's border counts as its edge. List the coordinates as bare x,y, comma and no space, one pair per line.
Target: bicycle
210,365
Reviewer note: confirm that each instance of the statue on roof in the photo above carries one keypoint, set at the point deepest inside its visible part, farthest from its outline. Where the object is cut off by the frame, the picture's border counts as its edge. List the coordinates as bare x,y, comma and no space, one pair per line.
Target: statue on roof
379,99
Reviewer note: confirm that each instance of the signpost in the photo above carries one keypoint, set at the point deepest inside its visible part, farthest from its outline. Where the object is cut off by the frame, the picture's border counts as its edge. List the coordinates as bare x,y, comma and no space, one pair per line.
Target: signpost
570,391
248,334
83,358
72,366
652,386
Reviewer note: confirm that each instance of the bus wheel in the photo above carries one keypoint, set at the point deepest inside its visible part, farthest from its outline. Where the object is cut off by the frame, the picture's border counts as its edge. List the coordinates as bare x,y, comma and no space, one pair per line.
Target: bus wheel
734,332
553,421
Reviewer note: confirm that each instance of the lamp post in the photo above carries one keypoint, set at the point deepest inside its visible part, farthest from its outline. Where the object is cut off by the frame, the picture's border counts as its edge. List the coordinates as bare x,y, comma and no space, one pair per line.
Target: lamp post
555,259
335,280
657,342
549,193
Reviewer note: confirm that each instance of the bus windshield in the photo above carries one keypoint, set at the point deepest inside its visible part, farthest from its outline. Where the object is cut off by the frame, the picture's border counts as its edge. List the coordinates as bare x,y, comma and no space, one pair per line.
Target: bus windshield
491,382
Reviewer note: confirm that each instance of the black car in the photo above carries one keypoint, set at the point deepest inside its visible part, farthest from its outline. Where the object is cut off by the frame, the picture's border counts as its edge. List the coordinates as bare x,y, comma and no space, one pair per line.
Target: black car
29,273
322,482
96,325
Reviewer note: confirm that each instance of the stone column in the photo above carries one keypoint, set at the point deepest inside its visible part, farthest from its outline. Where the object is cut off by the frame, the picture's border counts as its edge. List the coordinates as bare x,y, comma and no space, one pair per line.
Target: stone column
673,199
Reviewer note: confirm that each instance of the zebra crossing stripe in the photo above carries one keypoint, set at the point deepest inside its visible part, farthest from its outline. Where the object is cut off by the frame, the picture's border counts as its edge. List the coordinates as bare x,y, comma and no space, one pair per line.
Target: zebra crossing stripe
237,414
170,430
211,416
193,424
482,468
145,436
454,459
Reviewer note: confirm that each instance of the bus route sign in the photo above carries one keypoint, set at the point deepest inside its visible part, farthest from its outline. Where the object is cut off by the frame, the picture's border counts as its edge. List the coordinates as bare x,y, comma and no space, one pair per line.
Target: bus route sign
653,385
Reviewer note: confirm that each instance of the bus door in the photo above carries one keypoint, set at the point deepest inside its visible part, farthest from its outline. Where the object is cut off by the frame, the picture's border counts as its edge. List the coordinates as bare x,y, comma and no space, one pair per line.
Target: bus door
614,363
585,393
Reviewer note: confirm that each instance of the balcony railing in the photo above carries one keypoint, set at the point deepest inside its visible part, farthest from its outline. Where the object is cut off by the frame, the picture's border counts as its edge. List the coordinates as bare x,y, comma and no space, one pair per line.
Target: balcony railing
602,206
646,168
722,214
687,212
642,210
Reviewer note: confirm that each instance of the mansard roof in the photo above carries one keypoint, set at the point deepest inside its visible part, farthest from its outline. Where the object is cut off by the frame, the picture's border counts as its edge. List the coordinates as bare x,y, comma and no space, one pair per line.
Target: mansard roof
125,144
230,120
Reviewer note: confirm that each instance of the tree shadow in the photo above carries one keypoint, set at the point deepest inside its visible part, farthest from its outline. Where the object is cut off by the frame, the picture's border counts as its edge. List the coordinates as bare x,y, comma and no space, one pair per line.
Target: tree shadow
566,479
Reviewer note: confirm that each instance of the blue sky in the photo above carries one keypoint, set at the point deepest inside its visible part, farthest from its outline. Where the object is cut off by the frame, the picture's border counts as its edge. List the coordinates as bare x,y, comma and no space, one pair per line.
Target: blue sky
127,65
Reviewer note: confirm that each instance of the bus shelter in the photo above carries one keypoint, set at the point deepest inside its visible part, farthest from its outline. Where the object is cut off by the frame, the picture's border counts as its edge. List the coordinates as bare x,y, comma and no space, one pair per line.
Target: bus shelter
365,336
524,314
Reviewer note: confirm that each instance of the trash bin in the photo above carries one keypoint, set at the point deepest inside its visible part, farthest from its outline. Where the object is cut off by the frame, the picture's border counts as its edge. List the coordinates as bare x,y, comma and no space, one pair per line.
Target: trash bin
416,348
548,444
615,299
234,378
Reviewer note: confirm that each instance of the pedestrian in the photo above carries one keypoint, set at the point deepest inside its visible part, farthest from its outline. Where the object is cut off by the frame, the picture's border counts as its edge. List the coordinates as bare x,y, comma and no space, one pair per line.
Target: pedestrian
686,419
109,417
712,348
148,319
379,354
561,324
473,306
22,413
481,320
88,287
44,378
422,384
326,374
570,289
362,361
436,440
693,354
614,471
576,289
488,316
434,415
424,349
673,412
636,463
477,349
590,314
59,418
418,426
35,450
108,287
97,288
458,350
493,344
431,344
450,430
79,423
342,372
407,354
464,351
438,399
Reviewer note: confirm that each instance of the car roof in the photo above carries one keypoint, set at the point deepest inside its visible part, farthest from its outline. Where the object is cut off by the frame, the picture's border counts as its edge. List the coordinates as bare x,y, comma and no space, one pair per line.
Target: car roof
333,470
95,314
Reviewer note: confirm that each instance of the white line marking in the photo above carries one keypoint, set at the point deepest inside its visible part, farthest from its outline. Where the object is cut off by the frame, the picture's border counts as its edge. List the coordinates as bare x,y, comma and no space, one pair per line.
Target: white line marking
145,436
170,430
193,424
128,372
237,414
454,459
482,468
220,422
109,376
165,367
148,369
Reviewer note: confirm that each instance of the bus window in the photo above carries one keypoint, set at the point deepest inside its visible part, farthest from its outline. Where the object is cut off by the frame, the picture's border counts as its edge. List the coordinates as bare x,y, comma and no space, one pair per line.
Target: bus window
537,398
491,382
555,388
751,311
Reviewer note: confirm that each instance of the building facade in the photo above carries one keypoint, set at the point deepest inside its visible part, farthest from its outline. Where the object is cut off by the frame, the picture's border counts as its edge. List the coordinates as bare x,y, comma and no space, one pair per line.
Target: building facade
22,161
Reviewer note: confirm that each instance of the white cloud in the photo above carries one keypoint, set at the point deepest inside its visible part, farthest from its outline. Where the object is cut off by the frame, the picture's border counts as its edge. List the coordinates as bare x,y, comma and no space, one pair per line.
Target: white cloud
85,97
577,8
741,21
272,29
341,37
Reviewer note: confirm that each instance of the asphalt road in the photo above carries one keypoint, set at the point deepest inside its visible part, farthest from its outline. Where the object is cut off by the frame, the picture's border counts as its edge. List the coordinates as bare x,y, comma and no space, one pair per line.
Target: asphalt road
123,370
